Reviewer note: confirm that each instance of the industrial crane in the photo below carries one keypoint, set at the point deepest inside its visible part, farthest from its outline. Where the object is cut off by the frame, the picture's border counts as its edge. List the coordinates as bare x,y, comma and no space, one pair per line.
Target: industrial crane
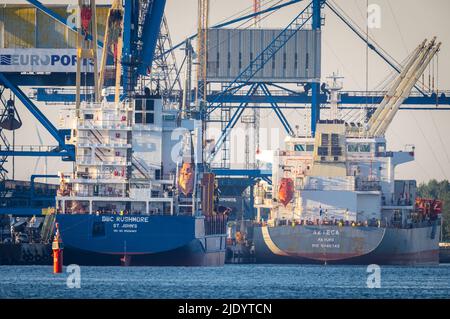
86,48
202,47
401,88
112,44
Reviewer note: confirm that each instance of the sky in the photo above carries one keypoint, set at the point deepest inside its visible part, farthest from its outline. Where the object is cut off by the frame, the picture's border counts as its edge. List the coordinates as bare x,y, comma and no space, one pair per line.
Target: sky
403,25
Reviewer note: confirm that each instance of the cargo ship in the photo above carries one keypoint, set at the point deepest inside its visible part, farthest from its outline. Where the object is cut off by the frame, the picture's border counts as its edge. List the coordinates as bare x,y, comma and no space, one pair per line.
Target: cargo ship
334,197
131,199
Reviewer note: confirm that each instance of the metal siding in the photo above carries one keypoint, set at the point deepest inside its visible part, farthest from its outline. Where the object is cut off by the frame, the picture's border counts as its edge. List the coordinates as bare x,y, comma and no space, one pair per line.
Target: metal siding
19,27
234,50
306,47
317,59
212,54
223,48
302,49
304,42
257,44
267,39
278,72
246,38
50,33
2,28
289,72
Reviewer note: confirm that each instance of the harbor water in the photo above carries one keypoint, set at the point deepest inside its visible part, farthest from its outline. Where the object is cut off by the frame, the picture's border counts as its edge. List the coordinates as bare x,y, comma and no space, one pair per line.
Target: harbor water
230,281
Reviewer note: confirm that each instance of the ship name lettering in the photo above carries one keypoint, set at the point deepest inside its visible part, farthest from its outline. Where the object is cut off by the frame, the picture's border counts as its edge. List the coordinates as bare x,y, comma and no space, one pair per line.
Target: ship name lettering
326,232
132,219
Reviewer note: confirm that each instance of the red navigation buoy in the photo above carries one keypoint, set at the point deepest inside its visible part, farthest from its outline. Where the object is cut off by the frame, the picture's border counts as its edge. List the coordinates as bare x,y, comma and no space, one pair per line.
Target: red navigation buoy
57,247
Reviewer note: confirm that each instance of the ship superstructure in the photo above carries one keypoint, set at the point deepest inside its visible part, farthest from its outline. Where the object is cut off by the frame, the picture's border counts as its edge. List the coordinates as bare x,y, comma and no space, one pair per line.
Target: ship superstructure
116,169
340,177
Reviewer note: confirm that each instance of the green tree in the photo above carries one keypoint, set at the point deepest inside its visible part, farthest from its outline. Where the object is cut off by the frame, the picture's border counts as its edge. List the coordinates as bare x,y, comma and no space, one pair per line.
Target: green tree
438,190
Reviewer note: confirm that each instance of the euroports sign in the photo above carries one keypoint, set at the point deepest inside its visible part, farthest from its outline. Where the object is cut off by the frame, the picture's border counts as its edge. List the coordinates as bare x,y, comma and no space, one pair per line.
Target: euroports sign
41,60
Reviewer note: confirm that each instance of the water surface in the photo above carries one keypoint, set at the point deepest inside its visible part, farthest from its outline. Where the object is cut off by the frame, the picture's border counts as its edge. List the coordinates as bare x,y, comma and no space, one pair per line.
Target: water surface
230,281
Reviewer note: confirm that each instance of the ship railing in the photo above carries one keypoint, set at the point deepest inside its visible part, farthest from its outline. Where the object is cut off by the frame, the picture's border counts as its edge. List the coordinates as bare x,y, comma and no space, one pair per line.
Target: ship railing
99,176
29,148
365,185
111,194
325,222
97,105
104,141
105,160
90,176
104,124
384,154
314,187
215,224
383,93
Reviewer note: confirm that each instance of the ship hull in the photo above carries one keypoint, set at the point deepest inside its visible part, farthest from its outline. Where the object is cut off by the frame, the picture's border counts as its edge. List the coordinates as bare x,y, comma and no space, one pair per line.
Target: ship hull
347,245
139,241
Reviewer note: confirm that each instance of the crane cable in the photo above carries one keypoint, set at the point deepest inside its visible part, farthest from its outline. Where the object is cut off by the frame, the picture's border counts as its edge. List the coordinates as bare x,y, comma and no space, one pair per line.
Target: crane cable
431,115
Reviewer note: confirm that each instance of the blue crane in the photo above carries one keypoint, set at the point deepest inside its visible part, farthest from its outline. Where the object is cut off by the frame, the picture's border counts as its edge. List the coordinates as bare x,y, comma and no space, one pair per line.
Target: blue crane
140,35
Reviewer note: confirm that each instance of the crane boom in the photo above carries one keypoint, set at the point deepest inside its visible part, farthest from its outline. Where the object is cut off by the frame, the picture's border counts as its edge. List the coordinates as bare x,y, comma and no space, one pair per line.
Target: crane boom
202,41
401,87
391,92
113,43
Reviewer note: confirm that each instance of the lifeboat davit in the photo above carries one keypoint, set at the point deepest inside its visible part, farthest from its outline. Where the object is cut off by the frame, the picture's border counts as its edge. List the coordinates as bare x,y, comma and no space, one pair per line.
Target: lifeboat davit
286,191
186,178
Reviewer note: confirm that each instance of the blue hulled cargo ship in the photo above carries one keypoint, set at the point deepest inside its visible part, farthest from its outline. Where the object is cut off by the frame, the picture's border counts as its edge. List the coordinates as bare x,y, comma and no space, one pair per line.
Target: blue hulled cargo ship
132,199
142,240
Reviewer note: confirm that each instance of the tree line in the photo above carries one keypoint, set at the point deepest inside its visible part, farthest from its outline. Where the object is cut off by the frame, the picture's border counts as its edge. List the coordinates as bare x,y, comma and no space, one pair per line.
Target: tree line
438,190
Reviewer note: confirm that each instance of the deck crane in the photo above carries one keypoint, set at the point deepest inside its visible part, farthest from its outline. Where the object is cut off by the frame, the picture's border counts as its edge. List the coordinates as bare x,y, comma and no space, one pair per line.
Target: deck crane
86,49
401,87
202,47
112,44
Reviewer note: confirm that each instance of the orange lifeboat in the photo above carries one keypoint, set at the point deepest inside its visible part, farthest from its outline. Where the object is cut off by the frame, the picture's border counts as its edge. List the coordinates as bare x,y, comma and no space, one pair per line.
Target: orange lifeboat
186,178
286,191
